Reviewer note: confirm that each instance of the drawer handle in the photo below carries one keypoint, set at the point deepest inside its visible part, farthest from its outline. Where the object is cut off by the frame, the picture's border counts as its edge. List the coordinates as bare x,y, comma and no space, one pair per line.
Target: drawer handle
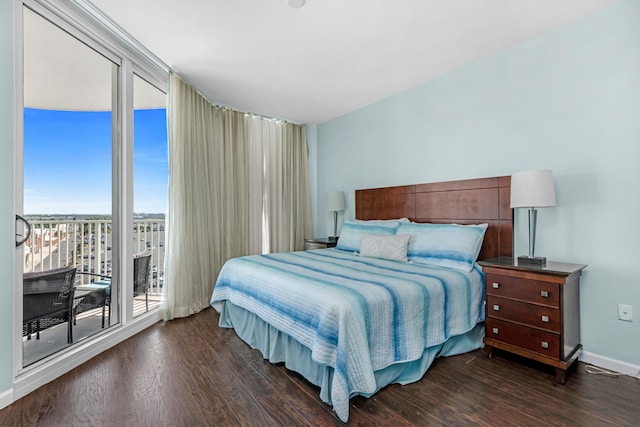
545,319
495,331
544,344
496,285
496,307
544,294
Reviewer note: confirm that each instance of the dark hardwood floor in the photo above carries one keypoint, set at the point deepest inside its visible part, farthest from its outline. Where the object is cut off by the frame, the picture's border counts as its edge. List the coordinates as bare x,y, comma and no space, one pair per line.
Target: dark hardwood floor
190,372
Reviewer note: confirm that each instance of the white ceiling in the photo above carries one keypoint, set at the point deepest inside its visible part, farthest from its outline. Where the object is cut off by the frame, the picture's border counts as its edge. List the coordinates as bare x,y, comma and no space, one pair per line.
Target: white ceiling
62,73
329,57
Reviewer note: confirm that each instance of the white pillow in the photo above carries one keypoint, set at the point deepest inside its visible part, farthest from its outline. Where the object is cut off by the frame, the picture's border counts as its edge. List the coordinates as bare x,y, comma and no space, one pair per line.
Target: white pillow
385,247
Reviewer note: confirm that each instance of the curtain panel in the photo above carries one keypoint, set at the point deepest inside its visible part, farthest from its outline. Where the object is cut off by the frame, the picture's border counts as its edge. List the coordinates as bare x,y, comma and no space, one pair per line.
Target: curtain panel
238,185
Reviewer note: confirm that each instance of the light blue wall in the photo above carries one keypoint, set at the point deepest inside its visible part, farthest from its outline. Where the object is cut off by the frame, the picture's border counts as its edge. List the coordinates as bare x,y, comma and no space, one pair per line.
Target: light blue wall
569,101
7,237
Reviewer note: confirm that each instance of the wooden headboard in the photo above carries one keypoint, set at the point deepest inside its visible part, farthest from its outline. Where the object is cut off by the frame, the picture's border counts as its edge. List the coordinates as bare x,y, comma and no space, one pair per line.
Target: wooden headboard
471,201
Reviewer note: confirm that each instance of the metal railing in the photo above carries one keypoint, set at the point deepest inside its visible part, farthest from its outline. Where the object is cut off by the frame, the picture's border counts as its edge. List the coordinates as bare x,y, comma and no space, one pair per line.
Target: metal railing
86,245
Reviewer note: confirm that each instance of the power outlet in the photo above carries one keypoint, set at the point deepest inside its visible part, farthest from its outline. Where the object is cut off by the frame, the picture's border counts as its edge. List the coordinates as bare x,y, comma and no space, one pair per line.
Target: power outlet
625,312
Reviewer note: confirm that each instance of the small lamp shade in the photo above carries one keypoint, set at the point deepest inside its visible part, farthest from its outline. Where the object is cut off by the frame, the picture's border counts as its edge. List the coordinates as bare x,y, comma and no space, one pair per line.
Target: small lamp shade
532,189
335,201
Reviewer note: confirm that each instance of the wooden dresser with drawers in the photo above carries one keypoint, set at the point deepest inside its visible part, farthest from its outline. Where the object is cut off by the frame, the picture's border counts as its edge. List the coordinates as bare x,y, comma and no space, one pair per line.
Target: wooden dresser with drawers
533,312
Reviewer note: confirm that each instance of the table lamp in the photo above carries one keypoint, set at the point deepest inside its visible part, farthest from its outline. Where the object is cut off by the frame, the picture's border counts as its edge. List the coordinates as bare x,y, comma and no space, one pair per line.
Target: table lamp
335,203
532,189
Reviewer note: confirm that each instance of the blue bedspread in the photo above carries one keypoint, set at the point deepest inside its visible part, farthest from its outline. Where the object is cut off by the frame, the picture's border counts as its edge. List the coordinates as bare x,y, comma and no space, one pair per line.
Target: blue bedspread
356,314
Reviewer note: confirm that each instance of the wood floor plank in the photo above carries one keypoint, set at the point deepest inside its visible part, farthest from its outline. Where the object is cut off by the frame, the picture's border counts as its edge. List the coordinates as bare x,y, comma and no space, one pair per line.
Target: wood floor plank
490,396
190,372
249,369
306,407
187,381
582,399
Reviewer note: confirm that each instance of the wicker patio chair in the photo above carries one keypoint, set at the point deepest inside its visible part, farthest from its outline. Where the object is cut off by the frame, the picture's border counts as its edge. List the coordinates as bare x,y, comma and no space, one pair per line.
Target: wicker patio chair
141,269
48,300
97,293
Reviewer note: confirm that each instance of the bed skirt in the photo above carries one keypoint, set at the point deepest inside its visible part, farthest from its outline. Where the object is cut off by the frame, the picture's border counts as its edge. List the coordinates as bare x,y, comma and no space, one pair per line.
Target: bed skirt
278,347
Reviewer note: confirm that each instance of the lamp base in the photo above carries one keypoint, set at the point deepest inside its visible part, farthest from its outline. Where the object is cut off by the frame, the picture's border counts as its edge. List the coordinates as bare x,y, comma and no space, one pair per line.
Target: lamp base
532,261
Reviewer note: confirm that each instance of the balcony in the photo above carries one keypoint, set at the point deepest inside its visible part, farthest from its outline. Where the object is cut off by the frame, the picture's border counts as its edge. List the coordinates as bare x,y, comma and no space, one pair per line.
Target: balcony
87,245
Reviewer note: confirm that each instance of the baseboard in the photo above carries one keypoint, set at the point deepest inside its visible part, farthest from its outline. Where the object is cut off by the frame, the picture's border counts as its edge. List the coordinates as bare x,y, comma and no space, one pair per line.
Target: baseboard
6,398
36,377
611,364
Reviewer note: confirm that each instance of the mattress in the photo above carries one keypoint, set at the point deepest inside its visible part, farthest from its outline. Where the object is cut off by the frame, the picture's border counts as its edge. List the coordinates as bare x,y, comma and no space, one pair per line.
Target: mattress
355,324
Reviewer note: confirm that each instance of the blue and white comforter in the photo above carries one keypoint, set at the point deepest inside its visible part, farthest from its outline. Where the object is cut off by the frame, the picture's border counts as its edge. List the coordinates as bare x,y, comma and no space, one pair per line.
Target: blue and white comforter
356,314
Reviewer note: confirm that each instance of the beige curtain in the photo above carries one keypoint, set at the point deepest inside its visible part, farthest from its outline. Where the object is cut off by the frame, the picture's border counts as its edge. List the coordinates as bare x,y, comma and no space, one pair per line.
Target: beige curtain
238,185
288,206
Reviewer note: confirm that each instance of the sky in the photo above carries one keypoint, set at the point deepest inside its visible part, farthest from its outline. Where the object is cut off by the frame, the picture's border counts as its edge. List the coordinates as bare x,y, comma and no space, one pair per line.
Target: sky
68,162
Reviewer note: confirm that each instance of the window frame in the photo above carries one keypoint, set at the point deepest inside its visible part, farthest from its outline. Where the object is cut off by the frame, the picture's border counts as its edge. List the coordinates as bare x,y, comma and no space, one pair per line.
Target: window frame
86,23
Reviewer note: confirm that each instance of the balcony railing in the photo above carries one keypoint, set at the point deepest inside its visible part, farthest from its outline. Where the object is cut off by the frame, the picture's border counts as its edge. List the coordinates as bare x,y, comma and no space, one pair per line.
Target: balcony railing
87,245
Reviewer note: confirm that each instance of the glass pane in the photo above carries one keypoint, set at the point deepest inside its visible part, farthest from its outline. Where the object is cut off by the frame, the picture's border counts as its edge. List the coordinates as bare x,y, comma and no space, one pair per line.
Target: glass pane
68,140
150,166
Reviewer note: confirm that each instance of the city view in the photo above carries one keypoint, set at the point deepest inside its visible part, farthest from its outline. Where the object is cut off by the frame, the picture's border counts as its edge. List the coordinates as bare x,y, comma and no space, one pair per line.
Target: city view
85,242
67,189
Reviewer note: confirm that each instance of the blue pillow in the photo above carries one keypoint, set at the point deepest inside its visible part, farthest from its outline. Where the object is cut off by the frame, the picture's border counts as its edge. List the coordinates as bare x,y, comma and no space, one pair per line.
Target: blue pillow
444,245
351,233
382,221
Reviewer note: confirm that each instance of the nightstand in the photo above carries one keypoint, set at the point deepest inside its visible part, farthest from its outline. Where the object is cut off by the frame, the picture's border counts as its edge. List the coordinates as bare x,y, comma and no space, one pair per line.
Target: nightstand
533,312
319,243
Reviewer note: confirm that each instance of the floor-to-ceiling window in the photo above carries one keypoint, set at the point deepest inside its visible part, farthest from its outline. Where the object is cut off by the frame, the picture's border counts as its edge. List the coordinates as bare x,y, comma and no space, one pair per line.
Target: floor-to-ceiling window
150,175
70,112
94,182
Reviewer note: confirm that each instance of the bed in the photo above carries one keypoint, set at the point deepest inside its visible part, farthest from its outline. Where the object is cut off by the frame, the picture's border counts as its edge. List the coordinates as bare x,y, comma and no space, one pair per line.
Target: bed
355,318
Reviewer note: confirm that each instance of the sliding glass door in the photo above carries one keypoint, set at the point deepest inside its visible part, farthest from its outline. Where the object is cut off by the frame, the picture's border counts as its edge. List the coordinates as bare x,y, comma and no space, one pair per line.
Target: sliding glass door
150,176
90,231
70,133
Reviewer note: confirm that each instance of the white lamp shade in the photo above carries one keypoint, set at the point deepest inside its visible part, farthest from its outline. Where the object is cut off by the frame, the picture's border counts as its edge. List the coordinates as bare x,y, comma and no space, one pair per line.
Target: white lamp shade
533,189
335,201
